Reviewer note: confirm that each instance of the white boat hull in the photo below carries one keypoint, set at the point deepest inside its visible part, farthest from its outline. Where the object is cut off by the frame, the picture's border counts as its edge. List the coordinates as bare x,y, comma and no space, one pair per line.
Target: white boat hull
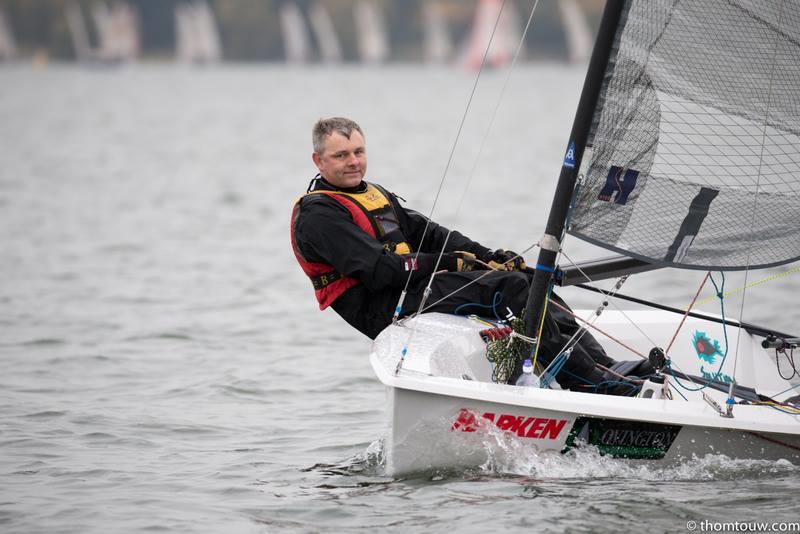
445,411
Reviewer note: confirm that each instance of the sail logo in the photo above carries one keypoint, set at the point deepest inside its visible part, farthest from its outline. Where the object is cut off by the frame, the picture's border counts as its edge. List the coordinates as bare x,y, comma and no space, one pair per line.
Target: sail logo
569,157
524,427
620,183
706,348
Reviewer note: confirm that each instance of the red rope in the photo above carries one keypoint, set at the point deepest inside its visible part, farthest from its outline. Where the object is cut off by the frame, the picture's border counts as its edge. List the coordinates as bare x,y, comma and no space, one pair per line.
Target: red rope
587,323
687,311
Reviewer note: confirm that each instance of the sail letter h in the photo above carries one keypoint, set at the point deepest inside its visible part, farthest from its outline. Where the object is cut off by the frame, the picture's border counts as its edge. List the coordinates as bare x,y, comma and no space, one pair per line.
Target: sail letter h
619,184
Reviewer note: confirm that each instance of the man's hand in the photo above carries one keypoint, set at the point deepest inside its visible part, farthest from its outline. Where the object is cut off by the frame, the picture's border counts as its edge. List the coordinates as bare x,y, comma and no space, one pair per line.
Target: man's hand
460,261
504,260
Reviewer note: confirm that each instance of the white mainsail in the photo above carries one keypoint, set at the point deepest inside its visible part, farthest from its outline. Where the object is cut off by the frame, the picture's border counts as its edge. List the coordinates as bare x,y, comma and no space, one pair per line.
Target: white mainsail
8,47
506,37
329,49
117,31
77,30
373,41
438,46
117,28
296,40
197,37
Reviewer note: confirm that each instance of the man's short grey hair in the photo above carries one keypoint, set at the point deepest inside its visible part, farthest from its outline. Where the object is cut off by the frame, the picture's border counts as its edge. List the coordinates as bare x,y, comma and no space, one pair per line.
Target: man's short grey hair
325,127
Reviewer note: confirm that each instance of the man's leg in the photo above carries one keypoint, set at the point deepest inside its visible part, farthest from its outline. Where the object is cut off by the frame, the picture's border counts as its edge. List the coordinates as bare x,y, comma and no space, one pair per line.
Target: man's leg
496,294
484,293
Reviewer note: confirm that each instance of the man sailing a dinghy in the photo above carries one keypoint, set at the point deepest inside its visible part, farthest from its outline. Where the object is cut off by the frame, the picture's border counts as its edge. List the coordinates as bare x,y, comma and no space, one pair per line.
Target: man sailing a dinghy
358,245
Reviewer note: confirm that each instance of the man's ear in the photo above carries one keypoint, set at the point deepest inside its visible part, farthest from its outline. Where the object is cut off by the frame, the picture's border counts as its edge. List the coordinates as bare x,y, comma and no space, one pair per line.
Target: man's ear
317,160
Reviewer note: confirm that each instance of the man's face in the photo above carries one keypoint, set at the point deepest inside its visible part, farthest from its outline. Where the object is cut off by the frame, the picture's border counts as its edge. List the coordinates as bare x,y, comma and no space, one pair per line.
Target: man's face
343,163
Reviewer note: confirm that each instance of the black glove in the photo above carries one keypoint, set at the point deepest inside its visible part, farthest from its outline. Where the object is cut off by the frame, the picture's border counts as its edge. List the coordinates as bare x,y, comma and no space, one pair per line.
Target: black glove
504,260
459,261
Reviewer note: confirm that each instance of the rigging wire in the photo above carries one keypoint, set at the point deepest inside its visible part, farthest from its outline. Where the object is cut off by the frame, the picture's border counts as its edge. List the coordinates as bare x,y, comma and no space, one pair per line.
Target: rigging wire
758,186
598,329
610,296
447,165
576,337
613,303
471,175
787,390
427,291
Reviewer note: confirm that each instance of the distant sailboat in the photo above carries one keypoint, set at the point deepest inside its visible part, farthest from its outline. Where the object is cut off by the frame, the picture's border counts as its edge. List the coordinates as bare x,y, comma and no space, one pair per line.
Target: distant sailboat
329,48
579,37
117,31
373,43
196,34
438,46
80,36
296,40
8,47
507,35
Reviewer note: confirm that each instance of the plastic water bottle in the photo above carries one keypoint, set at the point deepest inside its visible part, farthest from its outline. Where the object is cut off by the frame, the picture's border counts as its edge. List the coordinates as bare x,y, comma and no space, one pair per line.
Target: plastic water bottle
527,378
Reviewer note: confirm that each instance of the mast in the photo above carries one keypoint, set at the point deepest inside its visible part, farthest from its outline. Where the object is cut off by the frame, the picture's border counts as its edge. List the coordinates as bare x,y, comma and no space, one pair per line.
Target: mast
554,231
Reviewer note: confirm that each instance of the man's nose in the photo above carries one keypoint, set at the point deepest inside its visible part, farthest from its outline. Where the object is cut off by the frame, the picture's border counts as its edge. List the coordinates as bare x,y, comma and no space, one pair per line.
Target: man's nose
352,160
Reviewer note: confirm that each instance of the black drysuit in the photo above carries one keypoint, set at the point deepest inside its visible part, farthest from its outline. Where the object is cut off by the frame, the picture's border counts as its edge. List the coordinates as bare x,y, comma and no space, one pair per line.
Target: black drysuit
324,231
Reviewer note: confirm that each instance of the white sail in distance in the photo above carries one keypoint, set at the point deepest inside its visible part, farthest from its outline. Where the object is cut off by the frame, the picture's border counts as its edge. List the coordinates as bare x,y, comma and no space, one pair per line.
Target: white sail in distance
330,50
373,40
118,32
438,46
197,37
296,41
506,37
576,28
8,46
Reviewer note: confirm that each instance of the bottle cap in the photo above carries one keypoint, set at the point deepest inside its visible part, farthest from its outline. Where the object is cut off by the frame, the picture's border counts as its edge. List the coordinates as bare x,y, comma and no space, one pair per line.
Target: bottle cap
527,367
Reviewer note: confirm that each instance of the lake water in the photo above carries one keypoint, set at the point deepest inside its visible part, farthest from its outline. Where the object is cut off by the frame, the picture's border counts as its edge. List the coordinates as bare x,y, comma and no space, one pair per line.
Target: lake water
163,364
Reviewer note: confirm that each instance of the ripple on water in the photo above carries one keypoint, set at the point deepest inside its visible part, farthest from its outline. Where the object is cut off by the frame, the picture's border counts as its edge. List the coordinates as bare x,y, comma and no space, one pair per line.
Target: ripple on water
45,415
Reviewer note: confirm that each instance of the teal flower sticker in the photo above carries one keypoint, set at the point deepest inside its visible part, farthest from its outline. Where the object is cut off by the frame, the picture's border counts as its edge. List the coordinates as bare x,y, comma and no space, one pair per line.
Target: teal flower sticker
706,348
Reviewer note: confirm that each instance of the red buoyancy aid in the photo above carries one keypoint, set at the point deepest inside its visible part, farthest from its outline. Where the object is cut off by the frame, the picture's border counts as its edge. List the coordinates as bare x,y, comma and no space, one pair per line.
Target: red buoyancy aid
328,283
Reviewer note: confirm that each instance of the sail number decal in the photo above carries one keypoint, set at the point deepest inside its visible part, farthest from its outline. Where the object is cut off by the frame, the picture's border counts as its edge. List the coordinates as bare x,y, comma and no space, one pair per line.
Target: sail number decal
619,185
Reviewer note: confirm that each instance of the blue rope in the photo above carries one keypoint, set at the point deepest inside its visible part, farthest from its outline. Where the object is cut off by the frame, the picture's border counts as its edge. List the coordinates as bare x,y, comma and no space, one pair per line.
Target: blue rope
556,367
493,306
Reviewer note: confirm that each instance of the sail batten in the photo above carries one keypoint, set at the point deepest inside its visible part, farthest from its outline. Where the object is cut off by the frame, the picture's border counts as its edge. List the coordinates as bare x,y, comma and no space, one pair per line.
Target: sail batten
699,115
